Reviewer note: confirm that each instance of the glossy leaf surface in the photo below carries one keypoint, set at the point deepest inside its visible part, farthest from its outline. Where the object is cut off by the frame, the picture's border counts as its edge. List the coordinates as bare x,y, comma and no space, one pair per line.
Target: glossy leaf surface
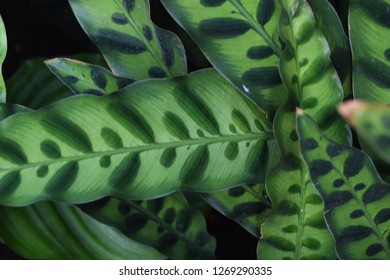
372,122
248,205
84,78
168,224
128,39
356,199
369,23
295,228
3,52
241,40
184,123
55,231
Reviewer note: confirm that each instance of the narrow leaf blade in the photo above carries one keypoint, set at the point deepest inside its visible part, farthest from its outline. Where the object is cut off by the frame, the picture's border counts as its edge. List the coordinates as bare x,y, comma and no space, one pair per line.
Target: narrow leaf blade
3,51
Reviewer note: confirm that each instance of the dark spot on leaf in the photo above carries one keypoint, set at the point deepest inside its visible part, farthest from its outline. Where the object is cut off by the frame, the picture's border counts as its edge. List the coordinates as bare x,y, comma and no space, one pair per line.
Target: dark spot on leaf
294,189
354,233
63,178
288,208
50,149
290,229
98,77
70,80
112,40
354,164
175,126
200,133
375,70
183,220
236,192
166,43
378,11
231,151
169,215
311,243
42,171
374,249
356,214
195,165
294,136
309,103
232,128
265,10
376,192
155,205
168,157
94,92
259,52
359,187
314,199
95,205
262,77
387,54
309,144
105,161
12,151
291,163
383,141
334,150
119,18
320,168
147,32
124,209
156,72
212,3
126,172
303,62
280,243
166,241
9,182
383,216
111,138
129,5
338,183
223,28
246,209
135,222
240,121
337,198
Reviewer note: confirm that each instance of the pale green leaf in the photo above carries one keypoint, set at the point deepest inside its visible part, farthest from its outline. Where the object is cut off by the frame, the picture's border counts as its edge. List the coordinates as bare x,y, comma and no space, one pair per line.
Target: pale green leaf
3,51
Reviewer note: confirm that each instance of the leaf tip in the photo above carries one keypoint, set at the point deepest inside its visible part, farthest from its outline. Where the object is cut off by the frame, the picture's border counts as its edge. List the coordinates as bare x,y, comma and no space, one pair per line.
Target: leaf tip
299,111
349,109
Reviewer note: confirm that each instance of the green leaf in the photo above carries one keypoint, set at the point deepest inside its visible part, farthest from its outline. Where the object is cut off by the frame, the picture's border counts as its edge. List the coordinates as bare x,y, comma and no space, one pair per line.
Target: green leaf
356,198
185,123
34,86
168,224
51,230
128,39
84,78
369,23
241,40
295,229
372,122
340,52
247,205
54,231
3,52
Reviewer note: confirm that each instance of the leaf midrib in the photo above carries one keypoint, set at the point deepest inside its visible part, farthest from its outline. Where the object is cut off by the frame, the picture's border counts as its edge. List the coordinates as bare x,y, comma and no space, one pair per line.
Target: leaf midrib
148,147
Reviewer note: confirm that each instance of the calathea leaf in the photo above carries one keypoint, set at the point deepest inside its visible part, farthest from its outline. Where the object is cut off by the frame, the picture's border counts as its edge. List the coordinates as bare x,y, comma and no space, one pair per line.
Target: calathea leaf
34,86
247,205
168,224
3,51
295,229
84,78
128,39
55,231
372,122
340,52
369,29
356,198
240,38
49,230
186,123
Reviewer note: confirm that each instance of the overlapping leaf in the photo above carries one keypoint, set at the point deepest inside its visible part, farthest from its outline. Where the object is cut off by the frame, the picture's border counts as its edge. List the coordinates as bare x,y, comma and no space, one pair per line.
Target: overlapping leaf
3,51
52,153
34,86
369,23
168,224
296,229
54,231
356,199
247,205
128,39
84,78
241,40
372,122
